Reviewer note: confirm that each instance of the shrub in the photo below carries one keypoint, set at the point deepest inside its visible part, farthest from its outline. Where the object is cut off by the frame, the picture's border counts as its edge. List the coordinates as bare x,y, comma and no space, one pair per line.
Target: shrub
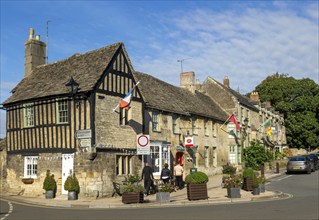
166,188
72,184
132,188
255,182
196,178
235,181
229,169
133,178
256,155
49,182
248,173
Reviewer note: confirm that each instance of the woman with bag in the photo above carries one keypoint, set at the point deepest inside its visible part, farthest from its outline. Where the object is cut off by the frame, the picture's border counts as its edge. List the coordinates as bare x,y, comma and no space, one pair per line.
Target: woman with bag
166,174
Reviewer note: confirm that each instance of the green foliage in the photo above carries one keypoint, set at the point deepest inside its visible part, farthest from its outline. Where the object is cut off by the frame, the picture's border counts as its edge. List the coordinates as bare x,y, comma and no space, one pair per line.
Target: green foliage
72,184
134,178
49,182
256,155
298,100
235,181
229,169
166,188
132,188
248,172
196,178
255,182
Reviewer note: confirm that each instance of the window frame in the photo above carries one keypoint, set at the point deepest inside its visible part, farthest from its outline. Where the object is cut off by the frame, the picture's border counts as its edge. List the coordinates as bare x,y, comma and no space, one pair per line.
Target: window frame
123,164
175,126
28,115
58,112
156,122
30,172
127,116
206,131
194,129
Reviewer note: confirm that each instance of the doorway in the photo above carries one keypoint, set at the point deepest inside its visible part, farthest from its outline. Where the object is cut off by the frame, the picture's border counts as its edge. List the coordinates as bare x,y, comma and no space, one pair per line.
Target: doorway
67,168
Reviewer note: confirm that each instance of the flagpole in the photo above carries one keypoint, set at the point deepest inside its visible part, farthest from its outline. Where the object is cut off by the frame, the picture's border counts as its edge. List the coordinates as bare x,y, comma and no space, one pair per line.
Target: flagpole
225,121
130,90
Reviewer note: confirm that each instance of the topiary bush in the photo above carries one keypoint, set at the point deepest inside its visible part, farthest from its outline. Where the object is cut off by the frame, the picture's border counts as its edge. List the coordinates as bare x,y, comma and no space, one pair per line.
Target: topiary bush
196,178
72,184
49,182
248,173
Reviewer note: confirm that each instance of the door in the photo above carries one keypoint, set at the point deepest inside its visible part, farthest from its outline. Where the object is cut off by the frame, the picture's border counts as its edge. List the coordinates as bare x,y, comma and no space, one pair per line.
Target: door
67,168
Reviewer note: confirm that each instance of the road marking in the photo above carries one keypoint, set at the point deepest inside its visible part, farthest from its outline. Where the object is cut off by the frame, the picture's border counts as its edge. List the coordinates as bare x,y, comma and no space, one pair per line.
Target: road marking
9,212
284,178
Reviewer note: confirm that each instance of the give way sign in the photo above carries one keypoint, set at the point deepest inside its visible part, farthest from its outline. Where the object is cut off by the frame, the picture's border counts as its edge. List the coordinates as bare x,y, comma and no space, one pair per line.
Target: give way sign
143,144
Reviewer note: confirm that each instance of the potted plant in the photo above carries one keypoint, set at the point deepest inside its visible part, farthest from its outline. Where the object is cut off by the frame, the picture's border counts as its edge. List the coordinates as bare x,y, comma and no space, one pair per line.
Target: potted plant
132,193
262,181
72,186
233,185
49,185
248,175
255,185
196,186
164,191
228,171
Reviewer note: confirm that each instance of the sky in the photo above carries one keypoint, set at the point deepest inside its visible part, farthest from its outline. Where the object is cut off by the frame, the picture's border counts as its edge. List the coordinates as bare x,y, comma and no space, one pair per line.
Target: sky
243,40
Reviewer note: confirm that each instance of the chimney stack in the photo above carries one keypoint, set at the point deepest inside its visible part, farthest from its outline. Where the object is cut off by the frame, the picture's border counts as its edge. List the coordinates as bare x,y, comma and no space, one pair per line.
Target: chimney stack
187,81
254,96
198,85
34,53
226,82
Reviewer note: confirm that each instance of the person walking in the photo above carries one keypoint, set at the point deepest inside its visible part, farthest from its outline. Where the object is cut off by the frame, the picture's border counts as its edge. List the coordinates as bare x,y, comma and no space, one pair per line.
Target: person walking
178,173
147,175
166,174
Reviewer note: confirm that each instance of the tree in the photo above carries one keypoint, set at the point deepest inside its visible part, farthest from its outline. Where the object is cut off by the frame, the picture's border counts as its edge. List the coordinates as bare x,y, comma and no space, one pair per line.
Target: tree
298,100
256,155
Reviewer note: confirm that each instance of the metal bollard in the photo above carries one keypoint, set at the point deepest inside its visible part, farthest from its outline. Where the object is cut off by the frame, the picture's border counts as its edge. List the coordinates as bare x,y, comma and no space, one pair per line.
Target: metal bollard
277,167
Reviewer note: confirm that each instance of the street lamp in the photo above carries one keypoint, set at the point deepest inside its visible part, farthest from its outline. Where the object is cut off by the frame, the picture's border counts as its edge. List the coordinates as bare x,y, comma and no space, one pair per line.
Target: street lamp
72,86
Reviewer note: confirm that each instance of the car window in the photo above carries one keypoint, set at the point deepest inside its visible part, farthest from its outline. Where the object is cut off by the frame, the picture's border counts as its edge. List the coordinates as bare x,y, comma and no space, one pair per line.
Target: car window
297,159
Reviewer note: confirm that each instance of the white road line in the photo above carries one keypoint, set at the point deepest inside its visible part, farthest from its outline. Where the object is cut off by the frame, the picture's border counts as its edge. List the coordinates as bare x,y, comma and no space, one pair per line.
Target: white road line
285,177
9,212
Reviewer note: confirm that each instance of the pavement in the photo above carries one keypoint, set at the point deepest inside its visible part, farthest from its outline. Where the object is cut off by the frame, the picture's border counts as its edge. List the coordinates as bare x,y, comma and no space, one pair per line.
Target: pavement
216,194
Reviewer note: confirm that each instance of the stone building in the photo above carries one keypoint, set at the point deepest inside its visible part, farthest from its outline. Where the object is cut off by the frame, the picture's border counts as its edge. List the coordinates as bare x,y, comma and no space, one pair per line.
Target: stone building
62,116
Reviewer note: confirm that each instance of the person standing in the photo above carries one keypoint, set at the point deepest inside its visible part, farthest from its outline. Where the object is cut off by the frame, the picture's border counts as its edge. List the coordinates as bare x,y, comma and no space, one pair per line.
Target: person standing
166,174
178,173
147,175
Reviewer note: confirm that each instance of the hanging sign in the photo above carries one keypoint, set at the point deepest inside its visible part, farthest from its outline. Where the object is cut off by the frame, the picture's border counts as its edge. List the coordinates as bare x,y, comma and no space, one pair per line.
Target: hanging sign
189,142
143,144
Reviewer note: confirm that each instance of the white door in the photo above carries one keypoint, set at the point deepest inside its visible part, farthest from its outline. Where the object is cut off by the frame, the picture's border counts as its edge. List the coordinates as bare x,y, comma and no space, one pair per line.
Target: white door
67,168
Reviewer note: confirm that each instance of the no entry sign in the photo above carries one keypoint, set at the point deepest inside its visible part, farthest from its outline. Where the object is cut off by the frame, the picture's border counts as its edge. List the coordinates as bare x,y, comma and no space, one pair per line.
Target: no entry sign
143,144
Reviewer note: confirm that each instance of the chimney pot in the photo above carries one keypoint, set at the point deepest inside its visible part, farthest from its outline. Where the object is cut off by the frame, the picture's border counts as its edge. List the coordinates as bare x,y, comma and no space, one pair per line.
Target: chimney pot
31,33
226,81
37,37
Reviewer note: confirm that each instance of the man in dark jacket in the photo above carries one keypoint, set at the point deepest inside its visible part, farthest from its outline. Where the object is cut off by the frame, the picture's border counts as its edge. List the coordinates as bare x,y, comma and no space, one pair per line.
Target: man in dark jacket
147,175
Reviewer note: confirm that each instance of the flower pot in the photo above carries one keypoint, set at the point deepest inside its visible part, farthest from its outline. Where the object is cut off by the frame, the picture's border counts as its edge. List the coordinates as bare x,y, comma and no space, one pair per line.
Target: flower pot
27,180
72,195
262,188
248,184
49,194
256,191
197,191
233,193
132,197
163,197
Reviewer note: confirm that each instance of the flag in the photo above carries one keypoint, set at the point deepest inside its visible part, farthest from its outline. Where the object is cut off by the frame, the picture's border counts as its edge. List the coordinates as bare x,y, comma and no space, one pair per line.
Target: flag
126,101
269,131
267,123
233,119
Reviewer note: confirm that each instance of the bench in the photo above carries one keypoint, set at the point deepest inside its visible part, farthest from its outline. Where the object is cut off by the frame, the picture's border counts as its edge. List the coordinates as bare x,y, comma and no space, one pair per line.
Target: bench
116,189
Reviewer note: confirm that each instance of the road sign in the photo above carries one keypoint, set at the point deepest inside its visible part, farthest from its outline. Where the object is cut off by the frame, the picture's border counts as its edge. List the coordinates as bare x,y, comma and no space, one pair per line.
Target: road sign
143,144
189,142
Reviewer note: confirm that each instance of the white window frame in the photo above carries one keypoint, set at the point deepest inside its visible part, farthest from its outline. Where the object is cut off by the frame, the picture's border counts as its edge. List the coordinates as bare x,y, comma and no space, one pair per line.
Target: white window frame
231,126
125,116
206,156
194,130
214,131
124,165
206,131
28,115
175,124
60,111
30,166
156,122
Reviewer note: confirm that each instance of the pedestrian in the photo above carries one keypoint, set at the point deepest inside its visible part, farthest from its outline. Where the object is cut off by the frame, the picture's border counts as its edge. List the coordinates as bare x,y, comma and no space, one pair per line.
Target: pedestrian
166,174
178,173
147,175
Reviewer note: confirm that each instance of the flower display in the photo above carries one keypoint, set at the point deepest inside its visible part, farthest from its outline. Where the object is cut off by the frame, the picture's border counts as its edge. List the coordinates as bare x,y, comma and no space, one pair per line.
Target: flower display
234,181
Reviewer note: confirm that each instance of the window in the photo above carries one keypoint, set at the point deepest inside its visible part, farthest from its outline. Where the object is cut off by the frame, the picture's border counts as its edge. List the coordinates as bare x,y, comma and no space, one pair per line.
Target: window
30,166
62,112
159,155
194,130
214,129
124,164
206,157
231,130
232,154
155,121
125,116
206,127
28,115
175,125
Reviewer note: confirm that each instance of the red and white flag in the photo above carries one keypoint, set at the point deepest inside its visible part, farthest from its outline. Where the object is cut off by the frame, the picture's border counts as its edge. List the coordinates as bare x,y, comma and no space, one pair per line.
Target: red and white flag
126,101
234,120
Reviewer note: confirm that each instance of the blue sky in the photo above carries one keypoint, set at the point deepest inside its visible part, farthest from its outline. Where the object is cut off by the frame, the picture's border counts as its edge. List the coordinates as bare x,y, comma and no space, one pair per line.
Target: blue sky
244,40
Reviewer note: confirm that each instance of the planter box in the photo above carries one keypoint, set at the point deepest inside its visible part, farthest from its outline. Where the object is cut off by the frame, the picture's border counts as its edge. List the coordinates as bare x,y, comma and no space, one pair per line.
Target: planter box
132,197
233,193
262,188
255,191
197,191
72,195
49,194
163,197
248,184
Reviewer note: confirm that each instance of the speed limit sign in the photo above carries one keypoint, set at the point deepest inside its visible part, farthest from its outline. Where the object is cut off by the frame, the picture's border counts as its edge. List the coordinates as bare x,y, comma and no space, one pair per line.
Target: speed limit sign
143,144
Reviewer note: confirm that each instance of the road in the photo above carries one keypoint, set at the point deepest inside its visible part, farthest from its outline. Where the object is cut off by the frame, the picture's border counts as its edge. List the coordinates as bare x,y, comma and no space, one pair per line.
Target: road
303,204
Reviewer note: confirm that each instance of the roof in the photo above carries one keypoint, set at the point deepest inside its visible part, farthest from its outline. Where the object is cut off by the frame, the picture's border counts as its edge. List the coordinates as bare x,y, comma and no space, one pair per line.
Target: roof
49,79
3,144
160,95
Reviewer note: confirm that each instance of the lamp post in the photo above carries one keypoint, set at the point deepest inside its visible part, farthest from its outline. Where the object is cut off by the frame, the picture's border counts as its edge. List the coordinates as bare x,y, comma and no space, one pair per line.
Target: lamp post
72,86
243,137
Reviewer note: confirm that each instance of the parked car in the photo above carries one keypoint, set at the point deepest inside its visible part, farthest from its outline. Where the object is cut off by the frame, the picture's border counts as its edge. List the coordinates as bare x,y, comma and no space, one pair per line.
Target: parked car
298,164
314,159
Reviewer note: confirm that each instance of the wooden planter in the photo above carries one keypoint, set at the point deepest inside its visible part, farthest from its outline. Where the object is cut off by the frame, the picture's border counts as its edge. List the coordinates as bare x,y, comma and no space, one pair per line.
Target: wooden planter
132,197
248,184
197,191
233,193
